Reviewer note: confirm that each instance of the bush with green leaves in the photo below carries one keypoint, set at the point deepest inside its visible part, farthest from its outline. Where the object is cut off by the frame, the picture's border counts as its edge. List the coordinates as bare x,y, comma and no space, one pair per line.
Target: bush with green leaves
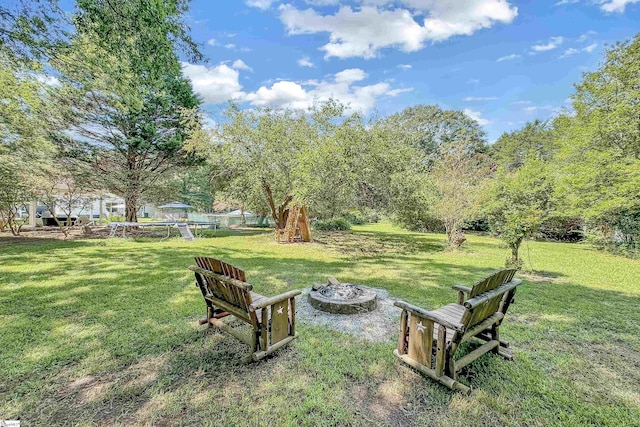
336,224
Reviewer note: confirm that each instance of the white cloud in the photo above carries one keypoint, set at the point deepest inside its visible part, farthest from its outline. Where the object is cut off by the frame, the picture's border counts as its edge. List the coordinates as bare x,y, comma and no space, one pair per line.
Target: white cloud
554,42
477,116
479,98
305,62
396,92
323,2
523,102
301,95
261,4
350,75
569,52
405,66
618,6
508,57
214,84
608,6
280,94
572,51
584,37
239,64
590,48
473,81
364,31
534,109
214,42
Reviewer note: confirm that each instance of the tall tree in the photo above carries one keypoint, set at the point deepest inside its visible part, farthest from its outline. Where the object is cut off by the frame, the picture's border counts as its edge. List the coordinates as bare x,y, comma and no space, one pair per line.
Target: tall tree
281,158
518,201
535,139
31,31
448,168
599,157
131,109
25,150
459,176
428,127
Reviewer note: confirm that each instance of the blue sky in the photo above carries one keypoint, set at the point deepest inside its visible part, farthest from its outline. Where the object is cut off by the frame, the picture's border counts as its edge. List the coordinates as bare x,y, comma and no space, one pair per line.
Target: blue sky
503,62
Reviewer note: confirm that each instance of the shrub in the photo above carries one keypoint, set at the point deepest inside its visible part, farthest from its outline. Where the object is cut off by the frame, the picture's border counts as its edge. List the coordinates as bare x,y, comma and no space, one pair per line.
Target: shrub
362,217
422,223
355,218
619,233
563,229
115,218
336,224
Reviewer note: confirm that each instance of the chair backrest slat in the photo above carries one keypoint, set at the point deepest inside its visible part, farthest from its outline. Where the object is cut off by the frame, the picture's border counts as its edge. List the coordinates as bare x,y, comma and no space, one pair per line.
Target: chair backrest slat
485,305
493,281
494,297
225,289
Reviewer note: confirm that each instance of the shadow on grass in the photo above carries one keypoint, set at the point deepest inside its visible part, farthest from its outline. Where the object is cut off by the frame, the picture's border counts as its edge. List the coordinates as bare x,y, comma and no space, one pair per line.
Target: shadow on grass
105,336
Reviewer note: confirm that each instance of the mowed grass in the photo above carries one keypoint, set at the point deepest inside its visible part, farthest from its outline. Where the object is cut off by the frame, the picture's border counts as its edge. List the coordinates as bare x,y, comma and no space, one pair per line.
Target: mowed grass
104,332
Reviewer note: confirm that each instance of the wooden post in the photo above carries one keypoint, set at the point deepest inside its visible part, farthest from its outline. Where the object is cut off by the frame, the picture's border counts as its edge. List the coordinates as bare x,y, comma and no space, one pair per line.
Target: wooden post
292,304
441,350
403,332
265,328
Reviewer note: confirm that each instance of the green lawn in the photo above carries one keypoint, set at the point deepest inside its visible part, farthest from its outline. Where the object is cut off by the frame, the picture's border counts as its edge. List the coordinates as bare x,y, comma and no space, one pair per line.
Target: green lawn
105,332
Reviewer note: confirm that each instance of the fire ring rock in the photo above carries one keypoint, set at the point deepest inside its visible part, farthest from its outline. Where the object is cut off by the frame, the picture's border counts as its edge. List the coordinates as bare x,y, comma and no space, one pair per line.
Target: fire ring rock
342,298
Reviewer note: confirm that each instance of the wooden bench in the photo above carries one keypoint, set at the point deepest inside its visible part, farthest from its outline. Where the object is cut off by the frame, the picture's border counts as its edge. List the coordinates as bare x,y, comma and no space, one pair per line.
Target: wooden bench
428,340
226,292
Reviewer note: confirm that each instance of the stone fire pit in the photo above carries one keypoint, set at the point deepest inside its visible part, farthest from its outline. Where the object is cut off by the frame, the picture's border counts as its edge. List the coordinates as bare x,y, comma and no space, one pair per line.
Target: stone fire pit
342,298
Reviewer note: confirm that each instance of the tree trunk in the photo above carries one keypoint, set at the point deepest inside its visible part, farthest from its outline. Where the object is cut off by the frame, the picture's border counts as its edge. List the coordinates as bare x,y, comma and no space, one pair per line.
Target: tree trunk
515,247
278,214
11,221
131,206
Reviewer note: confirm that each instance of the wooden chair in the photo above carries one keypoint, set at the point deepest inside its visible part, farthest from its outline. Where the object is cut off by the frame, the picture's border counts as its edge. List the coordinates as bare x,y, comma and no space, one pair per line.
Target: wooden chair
226,292
429,340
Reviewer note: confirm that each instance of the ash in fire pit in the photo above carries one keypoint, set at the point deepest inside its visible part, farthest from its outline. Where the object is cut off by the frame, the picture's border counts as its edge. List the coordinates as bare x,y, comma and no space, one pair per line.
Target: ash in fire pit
342,298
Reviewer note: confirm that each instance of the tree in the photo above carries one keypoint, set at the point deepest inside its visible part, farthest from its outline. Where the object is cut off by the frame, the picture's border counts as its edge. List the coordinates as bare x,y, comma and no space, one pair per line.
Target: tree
282,158
517,202
15,192
459,176
65,191
447,169
189,185
31,31
130,108
428,128
599,158
536,138
24,136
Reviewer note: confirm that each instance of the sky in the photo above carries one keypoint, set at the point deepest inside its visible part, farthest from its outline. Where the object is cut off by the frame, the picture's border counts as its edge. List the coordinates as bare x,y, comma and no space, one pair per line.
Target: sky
502,62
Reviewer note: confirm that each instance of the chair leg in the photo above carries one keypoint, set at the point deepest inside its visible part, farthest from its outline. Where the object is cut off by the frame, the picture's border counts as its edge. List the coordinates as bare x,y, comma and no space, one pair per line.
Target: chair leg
209,316
495,334
502,348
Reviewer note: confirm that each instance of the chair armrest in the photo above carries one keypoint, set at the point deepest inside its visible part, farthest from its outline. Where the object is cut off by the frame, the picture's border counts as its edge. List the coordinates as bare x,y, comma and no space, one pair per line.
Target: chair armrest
463,292
430,315
461,288
274,300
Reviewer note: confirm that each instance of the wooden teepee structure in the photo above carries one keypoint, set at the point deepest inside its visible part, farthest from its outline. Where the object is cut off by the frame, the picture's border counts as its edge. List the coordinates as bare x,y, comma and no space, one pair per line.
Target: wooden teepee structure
296,228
